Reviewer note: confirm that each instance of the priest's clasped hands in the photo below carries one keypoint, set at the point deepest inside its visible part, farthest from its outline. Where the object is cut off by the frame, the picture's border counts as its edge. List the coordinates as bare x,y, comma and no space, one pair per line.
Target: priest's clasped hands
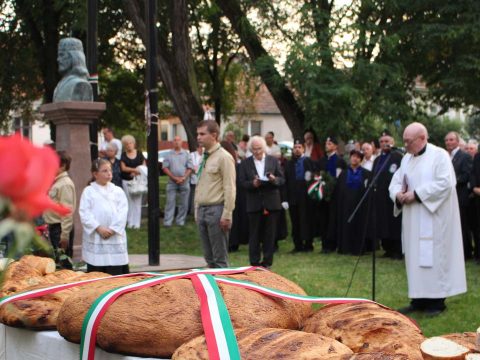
406,197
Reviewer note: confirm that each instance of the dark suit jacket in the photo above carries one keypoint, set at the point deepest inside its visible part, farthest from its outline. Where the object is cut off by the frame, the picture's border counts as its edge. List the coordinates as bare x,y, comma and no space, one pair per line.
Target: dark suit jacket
267,196
462,163
297,190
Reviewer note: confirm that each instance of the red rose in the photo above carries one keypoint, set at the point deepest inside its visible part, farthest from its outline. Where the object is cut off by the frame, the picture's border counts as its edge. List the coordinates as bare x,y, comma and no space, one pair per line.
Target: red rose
26,174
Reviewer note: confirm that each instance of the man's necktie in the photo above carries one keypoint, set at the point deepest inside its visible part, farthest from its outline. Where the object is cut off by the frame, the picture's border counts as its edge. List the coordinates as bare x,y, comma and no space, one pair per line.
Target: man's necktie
202,165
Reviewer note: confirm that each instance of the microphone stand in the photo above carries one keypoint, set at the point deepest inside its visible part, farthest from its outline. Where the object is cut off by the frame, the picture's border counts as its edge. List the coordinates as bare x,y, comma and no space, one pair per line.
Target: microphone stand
371,186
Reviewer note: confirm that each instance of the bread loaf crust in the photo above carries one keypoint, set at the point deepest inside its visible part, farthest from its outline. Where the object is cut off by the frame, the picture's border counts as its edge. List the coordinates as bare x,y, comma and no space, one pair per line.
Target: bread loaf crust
41,313
157,320
26,272
271,343
367,327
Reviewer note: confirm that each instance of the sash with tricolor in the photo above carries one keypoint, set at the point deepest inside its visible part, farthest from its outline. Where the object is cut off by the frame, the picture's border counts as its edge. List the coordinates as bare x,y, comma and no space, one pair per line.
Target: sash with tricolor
219,333
315,190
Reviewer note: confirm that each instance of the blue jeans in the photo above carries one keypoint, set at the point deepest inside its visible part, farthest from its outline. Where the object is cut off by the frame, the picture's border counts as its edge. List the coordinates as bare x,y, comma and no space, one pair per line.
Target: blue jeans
183,190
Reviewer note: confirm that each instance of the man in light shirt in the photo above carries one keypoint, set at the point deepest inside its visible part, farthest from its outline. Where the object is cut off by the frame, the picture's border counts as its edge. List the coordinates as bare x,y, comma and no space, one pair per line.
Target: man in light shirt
214,195
109,138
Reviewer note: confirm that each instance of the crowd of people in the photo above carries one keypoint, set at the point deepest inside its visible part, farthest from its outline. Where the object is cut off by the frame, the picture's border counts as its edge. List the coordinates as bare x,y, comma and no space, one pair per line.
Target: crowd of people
318,186
107,205
352,200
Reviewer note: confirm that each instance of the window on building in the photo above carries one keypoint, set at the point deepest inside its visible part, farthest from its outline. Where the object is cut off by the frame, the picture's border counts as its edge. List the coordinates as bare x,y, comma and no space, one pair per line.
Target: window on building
164,131
253,127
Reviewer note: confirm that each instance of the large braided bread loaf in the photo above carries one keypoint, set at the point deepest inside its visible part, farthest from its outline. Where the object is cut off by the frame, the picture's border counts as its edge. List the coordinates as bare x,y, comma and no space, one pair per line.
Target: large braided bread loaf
157,320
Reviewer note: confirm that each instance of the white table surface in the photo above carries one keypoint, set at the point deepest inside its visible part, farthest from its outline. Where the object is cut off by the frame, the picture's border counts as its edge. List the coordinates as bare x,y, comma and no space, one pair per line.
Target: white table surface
22,344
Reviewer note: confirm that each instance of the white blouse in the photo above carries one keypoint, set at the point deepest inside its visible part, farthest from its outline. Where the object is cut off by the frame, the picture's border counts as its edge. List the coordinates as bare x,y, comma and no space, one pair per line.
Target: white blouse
104,206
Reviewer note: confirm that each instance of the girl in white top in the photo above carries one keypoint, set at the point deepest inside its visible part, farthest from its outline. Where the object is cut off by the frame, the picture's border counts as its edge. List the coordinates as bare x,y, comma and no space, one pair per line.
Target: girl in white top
103,213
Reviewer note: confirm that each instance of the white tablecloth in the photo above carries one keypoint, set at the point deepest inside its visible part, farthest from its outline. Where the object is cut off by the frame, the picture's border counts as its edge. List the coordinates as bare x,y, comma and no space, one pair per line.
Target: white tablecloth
21,344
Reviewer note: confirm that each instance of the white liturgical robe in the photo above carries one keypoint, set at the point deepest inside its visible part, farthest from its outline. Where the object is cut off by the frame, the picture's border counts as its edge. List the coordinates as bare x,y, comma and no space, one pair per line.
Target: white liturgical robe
107,206
431,229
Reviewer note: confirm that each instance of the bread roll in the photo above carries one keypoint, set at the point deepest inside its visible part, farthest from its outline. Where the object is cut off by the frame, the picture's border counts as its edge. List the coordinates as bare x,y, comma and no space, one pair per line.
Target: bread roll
271,343
440,348
367,327
43,264
18,276
26,272
41,313
157,320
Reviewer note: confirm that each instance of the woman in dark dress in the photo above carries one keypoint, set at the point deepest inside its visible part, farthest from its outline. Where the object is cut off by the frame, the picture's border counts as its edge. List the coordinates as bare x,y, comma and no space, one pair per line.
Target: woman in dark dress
239,230
129,162
349,189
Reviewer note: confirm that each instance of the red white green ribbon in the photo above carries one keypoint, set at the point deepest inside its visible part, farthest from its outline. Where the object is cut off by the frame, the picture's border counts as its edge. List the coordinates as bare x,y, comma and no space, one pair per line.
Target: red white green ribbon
217,326
219,333
288,296
315,190
56,288
98,309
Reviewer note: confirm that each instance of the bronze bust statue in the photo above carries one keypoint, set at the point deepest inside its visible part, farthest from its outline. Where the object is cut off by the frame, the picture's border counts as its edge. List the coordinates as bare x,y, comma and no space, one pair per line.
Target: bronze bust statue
74,85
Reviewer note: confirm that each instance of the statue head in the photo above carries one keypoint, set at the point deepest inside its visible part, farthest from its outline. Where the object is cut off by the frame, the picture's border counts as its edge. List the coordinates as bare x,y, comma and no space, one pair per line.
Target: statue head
71,58
74,85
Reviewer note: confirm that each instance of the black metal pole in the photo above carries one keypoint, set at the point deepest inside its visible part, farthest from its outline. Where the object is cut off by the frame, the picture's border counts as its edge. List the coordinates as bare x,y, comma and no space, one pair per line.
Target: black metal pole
372,185
152,138
92,11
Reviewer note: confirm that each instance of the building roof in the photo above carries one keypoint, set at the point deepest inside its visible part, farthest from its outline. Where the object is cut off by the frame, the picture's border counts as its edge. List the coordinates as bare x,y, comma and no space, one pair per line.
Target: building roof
262,103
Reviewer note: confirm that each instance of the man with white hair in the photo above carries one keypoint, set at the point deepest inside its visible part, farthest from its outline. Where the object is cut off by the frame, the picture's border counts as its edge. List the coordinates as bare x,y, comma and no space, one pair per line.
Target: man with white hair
462,164
423,189
472,147
262,178
368,156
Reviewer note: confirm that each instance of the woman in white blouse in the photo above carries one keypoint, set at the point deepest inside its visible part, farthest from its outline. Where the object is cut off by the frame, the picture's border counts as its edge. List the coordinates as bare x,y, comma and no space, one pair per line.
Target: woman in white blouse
103,213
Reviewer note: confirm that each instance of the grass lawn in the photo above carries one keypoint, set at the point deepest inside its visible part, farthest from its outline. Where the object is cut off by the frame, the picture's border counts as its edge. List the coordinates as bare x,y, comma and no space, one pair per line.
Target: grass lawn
329,275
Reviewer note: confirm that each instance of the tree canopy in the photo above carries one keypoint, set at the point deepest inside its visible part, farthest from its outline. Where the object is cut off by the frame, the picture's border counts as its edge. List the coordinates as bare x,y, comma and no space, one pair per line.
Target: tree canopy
346,70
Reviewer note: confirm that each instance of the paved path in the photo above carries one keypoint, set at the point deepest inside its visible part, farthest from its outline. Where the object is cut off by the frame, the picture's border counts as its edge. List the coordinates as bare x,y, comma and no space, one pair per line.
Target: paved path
139,262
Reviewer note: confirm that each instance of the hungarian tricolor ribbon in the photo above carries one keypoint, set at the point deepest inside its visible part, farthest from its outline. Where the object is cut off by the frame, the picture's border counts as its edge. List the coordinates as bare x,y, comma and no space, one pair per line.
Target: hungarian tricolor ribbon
315,190
97,310
218,329
219,333
31,294
217,326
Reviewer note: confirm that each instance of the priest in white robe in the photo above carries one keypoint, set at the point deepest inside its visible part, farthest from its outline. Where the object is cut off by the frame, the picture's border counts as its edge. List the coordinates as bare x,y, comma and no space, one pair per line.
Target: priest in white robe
423,189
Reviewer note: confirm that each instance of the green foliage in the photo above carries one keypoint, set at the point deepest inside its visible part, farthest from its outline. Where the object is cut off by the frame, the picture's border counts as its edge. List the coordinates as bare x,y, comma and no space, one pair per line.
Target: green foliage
441,42
438,127
123,92
472,125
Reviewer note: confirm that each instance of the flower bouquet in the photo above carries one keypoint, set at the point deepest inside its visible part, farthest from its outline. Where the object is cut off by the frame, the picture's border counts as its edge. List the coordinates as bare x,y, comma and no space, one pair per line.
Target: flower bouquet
26,174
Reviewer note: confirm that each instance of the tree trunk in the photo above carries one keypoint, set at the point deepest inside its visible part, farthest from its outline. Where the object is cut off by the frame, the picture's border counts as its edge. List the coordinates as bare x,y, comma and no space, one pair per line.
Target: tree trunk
275,83
175,68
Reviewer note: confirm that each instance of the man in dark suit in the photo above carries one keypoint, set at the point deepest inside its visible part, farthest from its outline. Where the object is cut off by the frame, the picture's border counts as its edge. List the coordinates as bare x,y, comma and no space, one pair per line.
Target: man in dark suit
462,163
262,178
332,164
387,227
299,171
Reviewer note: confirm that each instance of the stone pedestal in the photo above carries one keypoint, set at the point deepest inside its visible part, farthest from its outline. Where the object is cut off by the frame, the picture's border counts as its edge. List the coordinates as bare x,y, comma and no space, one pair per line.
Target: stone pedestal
72,120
